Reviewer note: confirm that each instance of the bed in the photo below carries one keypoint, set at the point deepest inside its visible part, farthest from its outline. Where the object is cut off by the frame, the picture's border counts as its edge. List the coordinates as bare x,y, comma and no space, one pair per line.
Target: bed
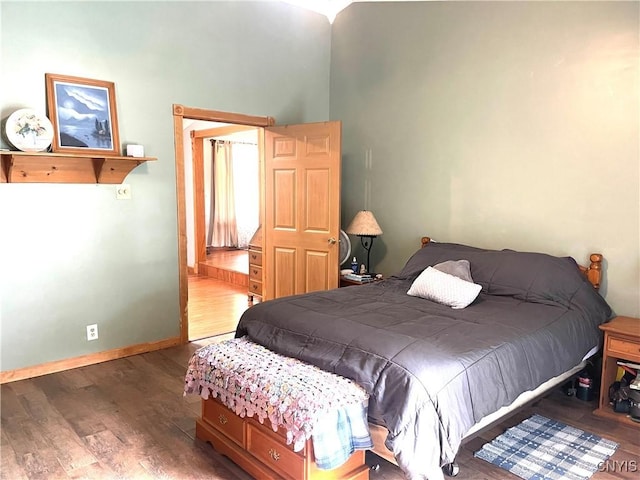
437,374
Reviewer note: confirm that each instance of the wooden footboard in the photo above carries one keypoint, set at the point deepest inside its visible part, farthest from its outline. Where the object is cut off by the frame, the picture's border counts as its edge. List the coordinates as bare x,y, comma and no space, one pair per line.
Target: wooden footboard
263,453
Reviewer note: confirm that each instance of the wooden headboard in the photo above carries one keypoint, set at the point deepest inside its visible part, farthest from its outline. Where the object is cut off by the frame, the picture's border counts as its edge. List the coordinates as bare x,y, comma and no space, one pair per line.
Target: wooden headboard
593,272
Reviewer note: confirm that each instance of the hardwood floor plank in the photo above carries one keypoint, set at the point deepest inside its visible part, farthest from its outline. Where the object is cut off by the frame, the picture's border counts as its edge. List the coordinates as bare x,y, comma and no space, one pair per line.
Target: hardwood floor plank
9,468
75,378
24,437
11,407
42,465
95,471
20,387
214,306
116,456
52,430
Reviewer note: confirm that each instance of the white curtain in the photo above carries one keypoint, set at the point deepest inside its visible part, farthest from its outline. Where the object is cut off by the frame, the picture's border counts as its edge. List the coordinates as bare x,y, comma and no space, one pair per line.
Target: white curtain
247,190
232,195
223,229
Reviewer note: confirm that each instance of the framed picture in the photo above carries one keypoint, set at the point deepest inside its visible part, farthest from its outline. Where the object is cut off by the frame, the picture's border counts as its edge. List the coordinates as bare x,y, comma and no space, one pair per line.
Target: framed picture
83,114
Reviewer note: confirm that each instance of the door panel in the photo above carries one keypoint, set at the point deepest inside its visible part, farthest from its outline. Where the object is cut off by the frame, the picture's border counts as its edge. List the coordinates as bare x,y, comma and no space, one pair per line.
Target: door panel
316,262
302,208
318,187
284,210
285,278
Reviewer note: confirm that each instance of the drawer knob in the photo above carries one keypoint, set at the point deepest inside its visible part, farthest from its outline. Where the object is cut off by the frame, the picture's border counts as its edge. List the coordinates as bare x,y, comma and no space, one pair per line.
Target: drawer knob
274,455
222,419
255,272
255,287
254,256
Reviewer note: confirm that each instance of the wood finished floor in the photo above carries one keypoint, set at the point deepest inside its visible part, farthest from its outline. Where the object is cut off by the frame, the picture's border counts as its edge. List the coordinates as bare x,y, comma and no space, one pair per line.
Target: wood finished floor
127,419
215,306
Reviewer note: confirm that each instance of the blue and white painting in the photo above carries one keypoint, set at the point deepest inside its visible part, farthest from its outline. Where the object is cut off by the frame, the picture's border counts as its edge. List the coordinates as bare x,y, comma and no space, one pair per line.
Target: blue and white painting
84,116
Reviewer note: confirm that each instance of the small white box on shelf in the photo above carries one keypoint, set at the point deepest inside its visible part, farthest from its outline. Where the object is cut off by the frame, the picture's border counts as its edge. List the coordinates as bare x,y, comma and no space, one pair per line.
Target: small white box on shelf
135,151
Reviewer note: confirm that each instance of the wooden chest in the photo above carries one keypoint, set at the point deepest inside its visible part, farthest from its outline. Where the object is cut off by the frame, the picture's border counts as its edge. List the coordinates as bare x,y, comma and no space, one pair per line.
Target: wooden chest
263,453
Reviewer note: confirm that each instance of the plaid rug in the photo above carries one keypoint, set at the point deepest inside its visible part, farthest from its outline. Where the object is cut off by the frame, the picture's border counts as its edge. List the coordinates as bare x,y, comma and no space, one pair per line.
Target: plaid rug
544,449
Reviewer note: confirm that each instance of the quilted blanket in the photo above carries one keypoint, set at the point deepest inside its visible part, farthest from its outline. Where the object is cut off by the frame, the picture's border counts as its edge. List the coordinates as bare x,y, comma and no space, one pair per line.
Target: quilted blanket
307,402
431,371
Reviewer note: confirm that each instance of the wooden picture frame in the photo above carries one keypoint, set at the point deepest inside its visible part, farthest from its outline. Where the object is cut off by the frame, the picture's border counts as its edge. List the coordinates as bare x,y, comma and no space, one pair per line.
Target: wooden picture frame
83,114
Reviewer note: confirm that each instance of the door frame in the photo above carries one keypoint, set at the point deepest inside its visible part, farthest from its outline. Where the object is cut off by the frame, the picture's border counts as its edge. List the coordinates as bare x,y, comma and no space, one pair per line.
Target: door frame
181,112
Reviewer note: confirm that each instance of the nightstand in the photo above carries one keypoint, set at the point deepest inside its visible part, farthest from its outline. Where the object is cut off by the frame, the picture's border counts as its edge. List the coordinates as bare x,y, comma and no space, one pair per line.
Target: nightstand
621,342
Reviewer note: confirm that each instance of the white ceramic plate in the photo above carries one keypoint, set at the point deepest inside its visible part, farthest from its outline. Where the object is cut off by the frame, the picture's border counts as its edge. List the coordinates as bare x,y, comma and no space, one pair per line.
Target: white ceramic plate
29,131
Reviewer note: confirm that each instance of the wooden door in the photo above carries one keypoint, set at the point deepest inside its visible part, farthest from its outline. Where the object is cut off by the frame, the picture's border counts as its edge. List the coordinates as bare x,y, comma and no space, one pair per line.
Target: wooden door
302,208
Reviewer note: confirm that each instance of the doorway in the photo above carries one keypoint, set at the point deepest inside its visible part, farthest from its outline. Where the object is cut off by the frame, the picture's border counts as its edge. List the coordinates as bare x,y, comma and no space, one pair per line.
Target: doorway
235,121
224,215
222,188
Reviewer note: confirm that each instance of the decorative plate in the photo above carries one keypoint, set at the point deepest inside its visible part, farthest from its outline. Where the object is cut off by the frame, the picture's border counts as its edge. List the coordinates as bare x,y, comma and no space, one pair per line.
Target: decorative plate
345,247
29,131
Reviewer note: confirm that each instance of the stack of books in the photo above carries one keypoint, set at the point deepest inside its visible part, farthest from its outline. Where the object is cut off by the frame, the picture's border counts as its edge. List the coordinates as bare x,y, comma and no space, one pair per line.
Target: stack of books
356,277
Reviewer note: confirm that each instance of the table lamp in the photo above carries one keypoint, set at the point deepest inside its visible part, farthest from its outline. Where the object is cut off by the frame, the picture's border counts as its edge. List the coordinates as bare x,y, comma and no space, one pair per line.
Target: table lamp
365,226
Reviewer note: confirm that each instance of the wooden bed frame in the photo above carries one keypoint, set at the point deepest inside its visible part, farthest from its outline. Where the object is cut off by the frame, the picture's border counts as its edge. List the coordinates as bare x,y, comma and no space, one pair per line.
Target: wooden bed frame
264,454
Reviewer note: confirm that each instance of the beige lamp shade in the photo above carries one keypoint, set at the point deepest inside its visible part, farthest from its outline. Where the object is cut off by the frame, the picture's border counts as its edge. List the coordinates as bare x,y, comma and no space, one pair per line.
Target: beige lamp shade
364,224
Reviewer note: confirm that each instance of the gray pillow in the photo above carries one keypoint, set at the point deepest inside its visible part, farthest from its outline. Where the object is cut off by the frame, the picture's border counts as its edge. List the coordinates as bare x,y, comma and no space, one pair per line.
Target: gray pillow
457,268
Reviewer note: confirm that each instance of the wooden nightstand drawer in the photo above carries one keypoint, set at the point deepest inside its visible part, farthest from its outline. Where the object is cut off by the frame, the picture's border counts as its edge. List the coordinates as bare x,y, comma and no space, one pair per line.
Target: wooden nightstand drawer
255,272
271,450
223,420
255,257
255,288
625,348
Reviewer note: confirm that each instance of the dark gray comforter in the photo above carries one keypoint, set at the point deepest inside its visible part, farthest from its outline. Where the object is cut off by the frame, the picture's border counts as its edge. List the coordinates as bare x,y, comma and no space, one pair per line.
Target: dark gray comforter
432,371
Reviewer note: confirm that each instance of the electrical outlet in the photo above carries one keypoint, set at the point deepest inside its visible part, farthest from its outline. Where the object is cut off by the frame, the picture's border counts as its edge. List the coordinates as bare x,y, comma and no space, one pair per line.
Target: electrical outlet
92,332
123,191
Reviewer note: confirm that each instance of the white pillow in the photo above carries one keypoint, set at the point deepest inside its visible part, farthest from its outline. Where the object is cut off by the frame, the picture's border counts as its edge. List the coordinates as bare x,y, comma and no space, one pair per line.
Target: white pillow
443,288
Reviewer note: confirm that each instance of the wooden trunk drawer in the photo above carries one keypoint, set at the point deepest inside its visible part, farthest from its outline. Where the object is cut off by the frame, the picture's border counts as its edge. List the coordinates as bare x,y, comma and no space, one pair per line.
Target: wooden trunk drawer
271,449
625,348
255,287
255,257
224,420
255,272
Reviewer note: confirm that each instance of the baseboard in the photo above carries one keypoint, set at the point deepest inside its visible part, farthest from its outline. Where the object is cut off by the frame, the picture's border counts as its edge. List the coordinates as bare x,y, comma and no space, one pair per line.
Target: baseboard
84,360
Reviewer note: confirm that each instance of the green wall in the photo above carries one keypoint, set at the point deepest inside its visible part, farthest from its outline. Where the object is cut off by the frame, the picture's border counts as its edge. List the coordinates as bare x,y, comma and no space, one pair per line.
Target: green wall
73,255
496,124
503,125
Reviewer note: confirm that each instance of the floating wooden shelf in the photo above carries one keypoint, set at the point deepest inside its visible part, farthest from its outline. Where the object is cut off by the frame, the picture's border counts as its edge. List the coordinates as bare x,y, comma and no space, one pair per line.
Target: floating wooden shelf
37,167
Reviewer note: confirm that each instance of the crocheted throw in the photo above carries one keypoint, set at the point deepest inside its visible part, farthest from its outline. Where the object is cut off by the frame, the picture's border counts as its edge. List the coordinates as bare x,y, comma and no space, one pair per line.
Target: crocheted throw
251,381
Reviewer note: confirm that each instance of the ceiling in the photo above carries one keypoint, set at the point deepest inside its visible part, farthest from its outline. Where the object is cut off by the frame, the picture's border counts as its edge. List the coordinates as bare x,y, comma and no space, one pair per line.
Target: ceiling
331,8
